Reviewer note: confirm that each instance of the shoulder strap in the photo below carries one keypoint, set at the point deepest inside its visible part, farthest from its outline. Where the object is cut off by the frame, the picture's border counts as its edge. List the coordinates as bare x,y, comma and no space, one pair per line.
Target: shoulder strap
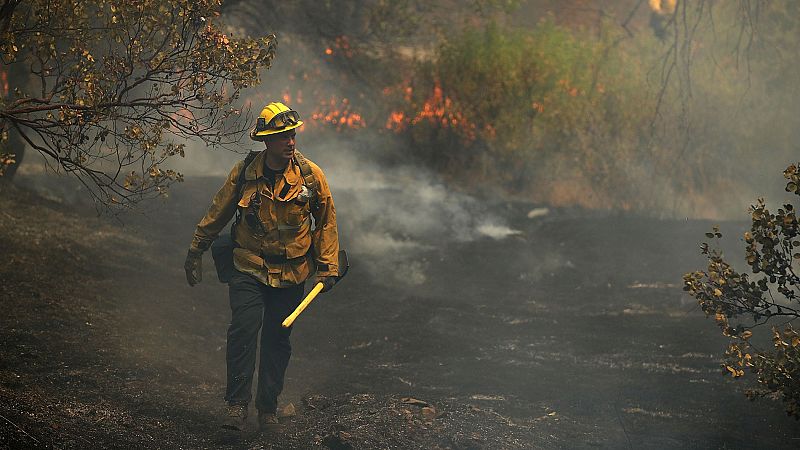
241,179
308,179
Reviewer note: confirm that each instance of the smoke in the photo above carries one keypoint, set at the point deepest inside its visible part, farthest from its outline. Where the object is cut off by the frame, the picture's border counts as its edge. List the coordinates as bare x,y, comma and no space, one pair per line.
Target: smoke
397,217
750,142
736,144
392,216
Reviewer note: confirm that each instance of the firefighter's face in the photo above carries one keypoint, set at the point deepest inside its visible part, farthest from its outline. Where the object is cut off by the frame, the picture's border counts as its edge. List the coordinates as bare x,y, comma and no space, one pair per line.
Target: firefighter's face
281,145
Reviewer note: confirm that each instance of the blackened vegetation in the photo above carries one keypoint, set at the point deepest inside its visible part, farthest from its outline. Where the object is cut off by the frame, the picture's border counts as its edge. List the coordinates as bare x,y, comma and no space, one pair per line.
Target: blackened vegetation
380,421
77,370
572,332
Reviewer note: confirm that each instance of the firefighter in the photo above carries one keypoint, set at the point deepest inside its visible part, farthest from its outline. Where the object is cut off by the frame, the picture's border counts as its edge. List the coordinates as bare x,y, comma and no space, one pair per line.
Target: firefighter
274,195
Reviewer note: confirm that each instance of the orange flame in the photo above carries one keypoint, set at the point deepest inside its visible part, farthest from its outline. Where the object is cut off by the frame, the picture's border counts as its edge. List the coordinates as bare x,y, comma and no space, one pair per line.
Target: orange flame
396,121
292,98
340,45
337,114
437,109
4,82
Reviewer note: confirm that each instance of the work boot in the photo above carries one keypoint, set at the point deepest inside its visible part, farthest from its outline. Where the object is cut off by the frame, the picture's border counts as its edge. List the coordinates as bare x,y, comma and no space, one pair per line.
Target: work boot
268,421
235,417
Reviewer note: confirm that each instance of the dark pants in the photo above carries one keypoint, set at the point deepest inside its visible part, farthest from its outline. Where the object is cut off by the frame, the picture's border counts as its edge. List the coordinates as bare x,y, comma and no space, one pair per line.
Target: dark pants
254,304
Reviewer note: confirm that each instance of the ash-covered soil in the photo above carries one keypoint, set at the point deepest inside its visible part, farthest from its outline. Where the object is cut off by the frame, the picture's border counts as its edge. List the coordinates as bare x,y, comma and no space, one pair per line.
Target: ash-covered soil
560,330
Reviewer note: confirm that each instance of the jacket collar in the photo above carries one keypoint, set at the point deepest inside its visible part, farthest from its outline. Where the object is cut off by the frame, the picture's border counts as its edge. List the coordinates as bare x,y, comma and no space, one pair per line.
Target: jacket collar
255,170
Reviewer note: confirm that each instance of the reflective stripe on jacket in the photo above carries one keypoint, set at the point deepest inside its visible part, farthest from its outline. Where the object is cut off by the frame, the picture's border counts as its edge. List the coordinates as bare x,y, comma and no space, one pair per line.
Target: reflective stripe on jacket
277,252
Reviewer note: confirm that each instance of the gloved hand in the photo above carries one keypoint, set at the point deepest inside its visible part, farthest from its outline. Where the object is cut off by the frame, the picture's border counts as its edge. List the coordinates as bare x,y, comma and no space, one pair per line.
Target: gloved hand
194,266
327,282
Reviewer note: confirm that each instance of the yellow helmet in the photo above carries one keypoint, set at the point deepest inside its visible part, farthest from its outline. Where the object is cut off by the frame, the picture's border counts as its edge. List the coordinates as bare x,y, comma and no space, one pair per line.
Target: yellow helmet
275,118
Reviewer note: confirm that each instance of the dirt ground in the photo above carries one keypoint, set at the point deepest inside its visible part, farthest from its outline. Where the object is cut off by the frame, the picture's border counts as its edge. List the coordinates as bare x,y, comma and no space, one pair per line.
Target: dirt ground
571,332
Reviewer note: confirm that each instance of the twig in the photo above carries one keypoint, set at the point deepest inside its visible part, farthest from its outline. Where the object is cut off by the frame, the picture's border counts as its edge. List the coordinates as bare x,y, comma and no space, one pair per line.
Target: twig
619,418
20,429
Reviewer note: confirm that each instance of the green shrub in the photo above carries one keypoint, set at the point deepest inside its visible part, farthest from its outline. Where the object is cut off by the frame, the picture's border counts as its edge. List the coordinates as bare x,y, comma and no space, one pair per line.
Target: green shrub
603,119
515,105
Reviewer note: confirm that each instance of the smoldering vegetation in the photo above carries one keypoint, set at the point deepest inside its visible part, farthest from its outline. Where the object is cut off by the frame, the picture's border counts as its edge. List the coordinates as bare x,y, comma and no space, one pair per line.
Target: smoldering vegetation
572,331
611,107
378,88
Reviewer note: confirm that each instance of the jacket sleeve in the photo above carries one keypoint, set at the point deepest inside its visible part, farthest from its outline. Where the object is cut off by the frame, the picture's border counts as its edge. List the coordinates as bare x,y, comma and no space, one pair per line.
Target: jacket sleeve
222,209
325,237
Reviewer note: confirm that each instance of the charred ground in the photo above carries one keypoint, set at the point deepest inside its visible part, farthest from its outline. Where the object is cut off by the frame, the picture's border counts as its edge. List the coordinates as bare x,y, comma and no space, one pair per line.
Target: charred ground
571,333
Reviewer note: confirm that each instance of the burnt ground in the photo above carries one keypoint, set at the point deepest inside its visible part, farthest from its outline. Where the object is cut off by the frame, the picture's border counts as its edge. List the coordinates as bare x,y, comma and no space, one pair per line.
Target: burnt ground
571,333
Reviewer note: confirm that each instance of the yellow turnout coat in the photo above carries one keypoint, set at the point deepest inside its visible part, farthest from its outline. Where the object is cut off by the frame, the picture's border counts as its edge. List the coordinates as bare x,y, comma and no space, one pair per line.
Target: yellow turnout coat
280,250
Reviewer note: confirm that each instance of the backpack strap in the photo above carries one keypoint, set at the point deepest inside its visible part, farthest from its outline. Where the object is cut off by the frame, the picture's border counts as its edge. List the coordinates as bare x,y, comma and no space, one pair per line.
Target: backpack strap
309,180
240,180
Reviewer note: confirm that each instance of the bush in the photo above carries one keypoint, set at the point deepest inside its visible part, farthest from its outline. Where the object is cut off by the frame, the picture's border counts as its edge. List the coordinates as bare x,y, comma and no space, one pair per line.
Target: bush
767,296
610,120
512,104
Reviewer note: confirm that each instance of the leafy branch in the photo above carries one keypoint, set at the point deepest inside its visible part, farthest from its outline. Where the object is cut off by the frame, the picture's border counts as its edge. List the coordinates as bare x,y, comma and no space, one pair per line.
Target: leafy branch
113,87
767,295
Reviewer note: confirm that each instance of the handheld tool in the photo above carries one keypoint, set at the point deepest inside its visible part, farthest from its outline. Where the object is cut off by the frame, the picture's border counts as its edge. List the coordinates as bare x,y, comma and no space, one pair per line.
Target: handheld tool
344,266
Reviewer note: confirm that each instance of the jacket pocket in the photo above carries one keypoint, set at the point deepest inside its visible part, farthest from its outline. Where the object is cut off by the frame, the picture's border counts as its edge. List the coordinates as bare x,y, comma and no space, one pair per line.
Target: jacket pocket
296,214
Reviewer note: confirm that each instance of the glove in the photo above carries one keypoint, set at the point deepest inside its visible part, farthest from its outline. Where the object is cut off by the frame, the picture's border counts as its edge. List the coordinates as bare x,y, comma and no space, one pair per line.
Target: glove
194,266
327,282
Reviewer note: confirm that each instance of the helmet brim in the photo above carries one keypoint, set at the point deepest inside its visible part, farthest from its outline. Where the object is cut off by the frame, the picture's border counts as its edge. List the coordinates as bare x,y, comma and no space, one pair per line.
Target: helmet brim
261,135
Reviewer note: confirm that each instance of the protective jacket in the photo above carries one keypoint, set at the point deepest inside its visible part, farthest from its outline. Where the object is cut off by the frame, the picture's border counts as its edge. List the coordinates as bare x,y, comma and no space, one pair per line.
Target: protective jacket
279,247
